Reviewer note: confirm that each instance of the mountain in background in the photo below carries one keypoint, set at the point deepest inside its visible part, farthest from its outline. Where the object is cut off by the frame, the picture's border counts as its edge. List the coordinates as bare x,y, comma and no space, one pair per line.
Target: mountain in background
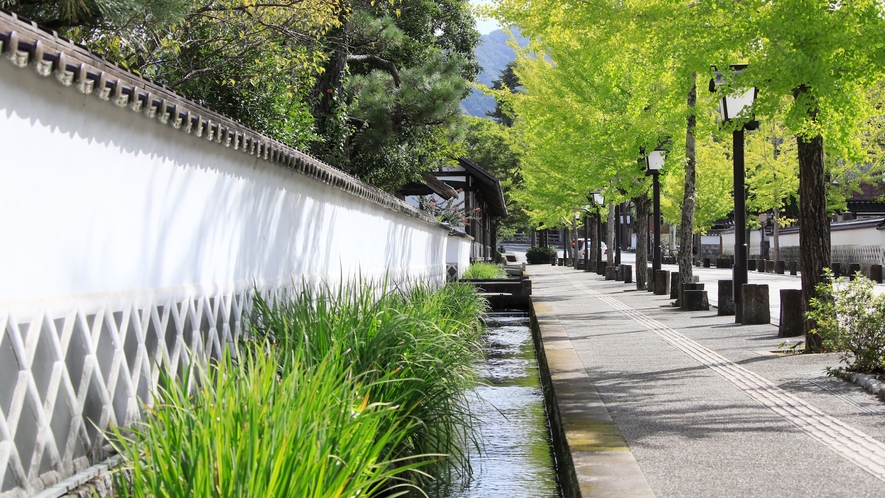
493,54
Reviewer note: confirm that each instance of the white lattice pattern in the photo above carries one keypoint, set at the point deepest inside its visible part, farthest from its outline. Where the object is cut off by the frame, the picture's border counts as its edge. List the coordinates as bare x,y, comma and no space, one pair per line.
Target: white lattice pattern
68,378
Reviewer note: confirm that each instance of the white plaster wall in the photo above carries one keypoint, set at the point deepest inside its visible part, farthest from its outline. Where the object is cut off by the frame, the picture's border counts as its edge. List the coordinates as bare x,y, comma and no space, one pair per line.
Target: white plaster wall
861,236
458,253
129,247
98,199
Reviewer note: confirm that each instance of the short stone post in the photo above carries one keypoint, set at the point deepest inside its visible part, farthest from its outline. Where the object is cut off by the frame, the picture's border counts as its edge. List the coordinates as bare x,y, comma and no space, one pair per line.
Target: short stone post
755,304
779,267
791,322
751,265
611,272
674,285
853,268
769,266
662,282
684,287
760,265
876,273
793,266
649,279
726,298
627,274
600,268
580,264
706,262
695,300
837,269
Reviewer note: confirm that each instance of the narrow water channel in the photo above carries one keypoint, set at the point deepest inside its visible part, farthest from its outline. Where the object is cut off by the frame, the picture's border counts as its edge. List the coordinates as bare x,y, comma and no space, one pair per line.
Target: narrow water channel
516,460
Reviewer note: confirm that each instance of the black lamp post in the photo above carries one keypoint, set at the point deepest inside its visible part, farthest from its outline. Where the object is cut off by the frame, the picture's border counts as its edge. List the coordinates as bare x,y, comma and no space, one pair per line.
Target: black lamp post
654,161
730,107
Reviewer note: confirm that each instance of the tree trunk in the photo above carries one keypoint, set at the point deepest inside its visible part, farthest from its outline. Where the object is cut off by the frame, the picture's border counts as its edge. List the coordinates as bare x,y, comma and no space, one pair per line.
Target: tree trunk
594,238
814,225
641,223
610,234
686,227
775,231
671,250
575,242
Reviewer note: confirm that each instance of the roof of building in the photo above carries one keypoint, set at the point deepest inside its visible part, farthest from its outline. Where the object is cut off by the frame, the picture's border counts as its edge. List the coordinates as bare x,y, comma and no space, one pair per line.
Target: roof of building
490,186
27,45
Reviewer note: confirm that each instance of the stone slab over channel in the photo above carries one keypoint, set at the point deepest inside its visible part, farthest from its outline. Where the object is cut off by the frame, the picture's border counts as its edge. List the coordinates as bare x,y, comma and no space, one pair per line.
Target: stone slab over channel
595,458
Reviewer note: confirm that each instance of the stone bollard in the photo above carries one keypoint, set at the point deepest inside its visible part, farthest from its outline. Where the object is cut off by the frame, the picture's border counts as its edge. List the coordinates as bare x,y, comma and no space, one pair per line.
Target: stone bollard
580,264
706,262
684,287
793,266
627,274
769,266
662,282
791,322
751,265
755,304
837,269
600,268
760,265
726,298
779,267
649,279
611,272
723,263
695,300
553,261
674,285
853,268
876,273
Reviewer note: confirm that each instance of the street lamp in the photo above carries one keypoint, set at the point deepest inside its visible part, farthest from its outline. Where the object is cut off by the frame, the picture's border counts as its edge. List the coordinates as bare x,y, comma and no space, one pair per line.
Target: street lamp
732,106
654,161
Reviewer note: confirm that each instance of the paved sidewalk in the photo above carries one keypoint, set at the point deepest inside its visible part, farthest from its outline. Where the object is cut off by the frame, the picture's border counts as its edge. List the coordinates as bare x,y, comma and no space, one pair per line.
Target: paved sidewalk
704,406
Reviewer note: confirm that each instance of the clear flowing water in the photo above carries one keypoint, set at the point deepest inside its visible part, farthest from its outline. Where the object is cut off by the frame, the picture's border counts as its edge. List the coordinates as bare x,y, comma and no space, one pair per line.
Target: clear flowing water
516,459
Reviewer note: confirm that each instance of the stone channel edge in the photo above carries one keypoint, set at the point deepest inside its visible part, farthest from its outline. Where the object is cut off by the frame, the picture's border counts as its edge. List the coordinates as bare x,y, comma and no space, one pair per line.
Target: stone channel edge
593,460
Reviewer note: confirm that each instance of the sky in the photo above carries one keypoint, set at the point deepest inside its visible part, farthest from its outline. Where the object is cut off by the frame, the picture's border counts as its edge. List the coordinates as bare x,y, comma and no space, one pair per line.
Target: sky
485,27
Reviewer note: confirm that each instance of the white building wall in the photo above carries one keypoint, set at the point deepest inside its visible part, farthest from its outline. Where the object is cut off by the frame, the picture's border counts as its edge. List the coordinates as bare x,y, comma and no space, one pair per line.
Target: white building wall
129,246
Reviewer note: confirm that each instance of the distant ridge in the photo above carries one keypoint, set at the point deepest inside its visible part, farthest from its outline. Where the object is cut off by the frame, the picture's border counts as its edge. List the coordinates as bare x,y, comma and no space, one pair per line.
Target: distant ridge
493,53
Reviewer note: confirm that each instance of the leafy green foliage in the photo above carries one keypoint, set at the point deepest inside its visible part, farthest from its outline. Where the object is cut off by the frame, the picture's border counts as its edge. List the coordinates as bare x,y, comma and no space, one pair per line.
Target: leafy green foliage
347,393
426,340
496,148
540,255
250,429
850,319
485,270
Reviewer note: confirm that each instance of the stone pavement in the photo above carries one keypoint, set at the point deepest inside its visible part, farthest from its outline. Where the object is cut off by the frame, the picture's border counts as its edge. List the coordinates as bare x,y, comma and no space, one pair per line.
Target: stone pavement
704,406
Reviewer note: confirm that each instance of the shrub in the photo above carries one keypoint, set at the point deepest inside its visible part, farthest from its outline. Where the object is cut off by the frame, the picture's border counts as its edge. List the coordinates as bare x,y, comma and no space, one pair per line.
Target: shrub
851,320
540,255
485,270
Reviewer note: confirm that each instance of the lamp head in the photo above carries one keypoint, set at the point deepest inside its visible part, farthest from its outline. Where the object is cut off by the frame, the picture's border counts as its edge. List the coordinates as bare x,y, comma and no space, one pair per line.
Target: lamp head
732,105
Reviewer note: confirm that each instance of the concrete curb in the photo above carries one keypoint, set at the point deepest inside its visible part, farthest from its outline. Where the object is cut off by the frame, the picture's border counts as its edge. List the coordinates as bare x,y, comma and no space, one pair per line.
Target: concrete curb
593,460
